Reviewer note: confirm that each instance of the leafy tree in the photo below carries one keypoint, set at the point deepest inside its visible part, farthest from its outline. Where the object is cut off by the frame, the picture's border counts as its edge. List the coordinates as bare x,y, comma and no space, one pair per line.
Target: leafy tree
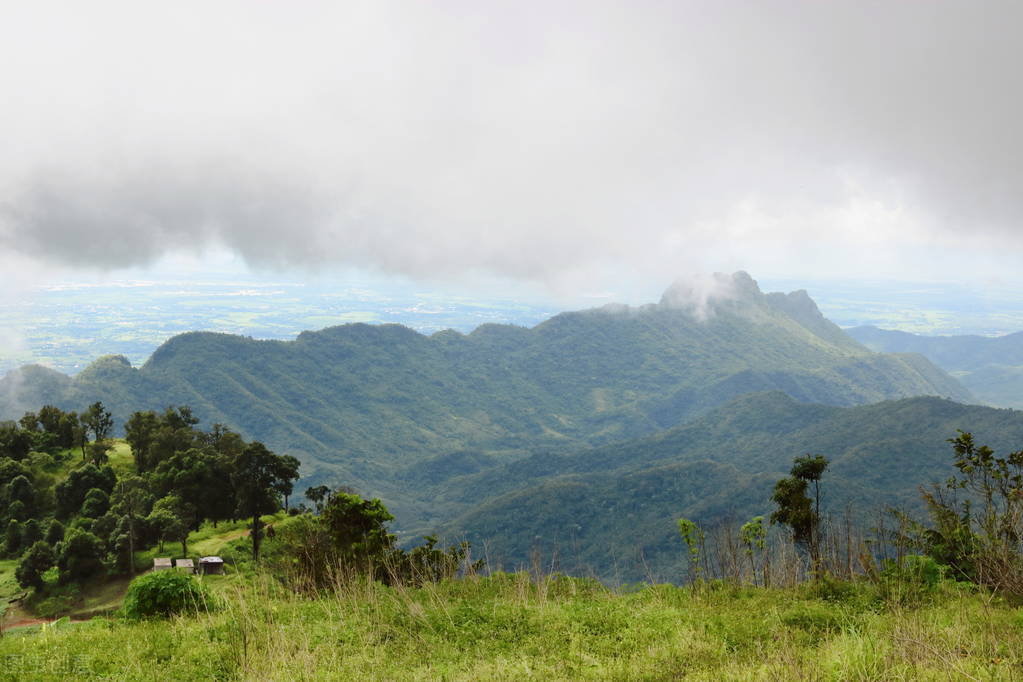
694,537
54,532
258,477
29,422
317,495
98,420
978,537
14,442
131,499
796,510
98,452
140,432
96,504
30,533
20,489
175,517
200,478
754,538
49,419
12,538
37,560
81,556
357,527
71,492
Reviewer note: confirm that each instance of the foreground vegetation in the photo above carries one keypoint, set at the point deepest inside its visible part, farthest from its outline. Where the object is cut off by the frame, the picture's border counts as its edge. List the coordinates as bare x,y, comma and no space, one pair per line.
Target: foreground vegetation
514,626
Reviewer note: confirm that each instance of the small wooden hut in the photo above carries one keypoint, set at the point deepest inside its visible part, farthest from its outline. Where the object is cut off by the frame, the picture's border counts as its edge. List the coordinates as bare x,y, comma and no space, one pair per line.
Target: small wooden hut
163,564
211,565
185,565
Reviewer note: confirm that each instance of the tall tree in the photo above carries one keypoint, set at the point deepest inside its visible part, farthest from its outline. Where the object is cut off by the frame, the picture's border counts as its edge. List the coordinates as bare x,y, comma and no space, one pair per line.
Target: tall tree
258,477
795,508
130,499
99,420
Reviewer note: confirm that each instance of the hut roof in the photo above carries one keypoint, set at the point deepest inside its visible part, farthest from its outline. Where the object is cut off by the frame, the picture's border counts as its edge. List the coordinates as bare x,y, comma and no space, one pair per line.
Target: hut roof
184,563
162,562
211,560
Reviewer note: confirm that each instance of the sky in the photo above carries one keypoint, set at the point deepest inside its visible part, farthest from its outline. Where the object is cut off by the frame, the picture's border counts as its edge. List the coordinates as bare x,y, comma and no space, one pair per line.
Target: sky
563,147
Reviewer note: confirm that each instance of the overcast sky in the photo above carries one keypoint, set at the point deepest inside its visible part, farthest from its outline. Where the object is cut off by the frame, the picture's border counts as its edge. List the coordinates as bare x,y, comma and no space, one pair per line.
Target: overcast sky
560,144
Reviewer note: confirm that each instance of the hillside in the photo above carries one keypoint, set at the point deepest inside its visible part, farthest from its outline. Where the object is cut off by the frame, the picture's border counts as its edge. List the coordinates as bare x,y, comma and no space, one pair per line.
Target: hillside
610,511
990,367
360,403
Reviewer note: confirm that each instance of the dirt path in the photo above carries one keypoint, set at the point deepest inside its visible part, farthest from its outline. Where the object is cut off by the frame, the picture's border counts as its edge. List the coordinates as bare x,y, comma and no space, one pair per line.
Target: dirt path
28,622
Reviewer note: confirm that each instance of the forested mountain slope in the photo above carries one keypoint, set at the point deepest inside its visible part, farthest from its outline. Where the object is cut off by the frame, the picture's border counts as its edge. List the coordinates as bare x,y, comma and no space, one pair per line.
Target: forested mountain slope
360,403
990,367
612,510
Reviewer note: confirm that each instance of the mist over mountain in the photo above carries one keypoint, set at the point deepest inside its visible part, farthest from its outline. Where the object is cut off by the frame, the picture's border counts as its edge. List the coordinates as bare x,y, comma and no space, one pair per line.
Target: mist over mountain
359,403
990,367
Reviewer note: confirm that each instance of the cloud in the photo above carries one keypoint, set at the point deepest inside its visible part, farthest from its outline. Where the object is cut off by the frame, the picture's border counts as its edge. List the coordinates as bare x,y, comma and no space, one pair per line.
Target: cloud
532,141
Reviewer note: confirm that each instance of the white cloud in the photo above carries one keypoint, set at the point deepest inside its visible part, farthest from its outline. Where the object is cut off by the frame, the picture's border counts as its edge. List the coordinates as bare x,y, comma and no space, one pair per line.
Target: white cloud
545,142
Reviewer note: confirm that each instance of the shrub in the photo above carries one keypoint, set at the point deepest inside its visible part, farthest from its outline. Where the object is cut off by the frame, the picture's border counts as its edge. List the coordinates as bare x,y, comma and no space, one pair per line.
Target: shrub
165,593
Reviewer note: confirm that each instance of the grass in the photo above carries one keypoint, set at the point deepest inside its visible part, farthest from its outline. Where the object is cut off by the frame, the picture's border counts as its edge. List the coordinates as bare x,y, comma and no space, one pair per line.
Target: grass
9,587
512,627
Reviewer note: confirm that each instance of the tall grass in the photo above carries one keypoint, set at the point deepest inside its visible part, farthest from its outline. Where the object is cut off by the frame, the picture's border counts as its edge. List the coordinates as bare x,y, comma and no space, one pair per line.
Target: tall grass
521,626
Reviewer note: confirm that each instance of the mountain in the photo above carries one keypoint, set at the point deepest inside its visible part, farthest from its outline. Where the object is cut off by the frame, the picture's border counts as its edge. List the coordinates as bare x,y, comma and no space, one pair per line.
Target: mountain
360,404
611,511
990,367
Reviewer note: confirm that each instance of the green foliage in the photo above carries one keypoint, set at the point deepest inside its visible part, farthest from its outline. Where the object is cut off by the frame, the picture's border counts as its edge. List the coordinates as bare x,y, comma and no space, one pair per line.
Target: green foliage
54,532
81,556
260,477
95,504
796,509
694,538
165,593
98,420
978,535
36,561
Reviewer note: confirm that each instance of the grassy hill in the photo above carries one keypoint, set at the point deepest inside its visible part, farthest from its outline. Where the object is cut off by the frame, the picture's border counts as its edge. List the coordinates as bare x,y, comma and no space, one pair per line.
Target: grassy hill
990,367
359,404
610,511
514,627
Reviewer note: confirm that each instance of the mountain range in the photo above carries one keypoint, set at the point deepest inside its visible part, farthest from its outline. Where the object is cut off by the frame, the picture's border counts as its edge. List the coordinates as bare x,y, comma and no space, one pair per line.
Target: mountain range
405,416
989,367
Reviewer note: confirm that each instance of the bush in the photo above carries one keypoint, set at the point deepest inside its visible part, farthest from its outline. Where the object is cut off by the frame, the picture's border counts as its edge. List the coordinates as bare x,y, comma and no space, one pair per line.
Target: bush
165,593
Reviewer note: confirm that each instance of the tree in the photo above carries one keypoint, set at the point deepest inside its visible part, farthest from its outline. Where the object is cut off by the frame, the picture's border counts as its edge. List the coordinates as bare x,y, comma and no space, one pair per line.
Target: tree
30,533
140,431
54,532
14,442
317,495
357,527
71,492
693,536
12,538
98,420
21,490
258,477
131,499
81,556
98,452
34,564
173,517
796,510
754,539
199,478
95,504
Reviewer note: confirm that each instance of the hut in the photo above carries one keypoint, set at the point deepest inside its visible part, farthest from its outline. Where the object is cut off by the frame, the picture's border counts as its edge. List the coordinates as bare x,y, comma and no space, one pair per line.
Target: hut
211,565
185,565
162,564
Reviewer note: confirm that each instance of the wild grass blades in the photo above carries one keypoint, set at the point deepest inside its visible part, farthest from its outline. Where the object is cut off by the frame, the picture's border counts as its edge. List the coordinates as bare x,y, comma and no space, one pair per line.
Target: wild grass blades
515,626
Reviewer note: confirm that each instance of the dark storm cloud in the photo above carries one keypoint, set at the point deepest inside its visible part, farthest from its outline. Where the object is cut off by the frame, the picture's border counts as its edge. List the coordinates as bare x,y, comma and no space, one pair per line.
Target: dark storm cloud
529,140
